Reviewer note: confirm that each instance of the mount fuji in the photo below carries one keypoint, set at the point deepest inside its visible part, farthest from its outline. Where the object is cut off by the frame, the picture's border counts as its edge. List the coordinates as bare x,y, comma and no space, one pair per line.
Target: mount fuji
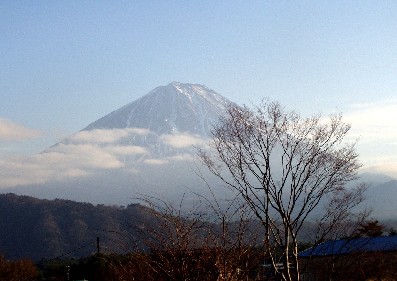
177,107
145,147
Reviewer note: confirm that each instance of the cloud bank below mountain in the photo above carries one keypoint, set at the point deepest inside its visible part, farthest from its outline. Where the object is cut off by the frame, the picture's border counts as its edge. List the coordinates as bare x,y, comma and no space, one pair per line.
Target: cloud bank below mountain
90,152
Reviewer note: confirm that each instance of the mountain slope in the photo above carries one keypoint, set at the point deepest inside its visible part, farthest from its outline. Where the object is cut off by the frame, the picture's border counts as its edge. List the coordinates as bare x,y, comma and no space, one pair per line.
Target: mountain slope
177,107
382,200
145,147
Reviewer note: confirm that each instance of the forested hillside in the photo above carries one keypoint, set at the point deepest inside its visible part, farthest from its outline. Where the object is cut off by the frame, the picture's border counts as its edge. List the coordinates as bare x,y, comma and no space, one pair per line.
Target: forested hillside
34,228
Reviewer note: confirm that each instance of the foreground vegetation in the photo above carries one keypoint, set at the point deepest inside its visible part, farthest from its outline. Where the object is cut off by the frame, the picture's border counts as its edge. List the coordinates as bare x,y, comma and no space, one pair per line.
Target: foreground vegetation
191,246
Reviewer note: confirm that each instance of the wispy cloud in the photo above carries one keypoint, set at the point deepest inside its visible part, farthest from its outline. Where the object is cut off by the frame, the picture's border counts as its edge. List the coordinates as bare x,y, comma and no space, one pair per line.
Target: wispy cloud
106,135
156,161
89,152
376,129
388,167
83,154
374,122
182,157
10,131
182,140
166,160
64,161
127,150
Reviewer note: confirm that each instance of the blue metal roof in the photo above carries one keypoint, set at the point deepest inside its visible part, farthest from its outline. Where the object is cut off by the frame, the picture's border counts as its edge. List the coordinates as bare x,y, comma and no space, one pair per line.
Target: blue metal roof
355,245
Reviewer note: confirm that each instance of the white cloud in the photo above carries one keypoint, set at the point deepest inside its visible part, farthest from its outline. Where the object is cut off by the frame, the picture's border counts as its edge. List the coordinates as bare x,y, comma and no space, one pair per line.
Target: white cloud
127,150
374,122
83,154
182,140
156,162
106,135
388,168
10,131
87,153
376,129
182,157
38,169
162,161
64,161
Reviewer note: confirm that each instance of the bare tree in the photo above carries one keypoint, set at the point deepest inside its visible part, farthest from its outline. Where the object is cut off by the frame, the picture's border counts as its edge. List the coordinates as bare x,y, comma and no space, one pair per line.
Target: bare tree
178,242
286,168
206,241
235,239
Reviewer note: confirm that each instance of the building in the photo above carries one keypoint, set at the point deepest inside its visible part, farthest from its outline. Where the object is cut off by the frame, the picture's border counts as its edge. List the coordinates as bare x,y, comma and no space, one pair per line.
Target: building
363,258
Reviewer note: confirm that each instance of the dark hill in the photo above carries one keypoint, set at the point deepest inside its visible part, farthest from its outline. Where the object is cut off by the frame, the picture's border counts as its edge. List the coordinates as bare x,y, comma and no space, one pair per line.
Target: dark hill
34,228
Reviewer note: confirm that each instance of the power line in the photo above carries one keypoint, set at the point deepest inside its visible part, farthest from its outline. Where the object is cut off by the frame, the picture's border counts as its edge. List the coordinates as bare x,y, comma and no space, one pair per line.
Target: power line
74,250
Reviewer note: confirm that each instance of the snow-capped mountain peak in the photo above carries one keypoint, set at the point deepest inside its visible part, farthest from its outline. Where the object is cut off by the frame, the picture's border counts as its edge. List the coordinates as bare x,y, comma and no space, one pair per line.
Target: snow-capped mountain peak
176,107
144,147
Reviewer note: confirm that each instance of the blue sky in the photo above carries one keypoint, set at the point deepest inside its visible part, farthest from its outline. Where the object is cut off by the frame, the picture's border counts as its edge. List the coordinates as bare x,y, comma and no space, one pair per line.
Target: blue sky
65,64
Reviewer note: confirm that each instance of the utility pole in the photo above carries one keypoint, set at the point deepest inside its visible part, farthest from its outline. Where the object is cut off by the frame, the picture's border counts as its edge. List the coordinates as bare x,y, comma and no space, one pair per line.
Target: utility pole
98,259
97,245
68,272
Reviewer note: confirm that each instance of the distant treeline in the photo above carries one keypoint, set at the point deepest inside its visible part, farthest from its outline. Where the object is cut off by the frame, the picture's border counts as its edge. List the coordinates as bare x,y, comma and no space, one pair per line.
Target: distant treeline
35,228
